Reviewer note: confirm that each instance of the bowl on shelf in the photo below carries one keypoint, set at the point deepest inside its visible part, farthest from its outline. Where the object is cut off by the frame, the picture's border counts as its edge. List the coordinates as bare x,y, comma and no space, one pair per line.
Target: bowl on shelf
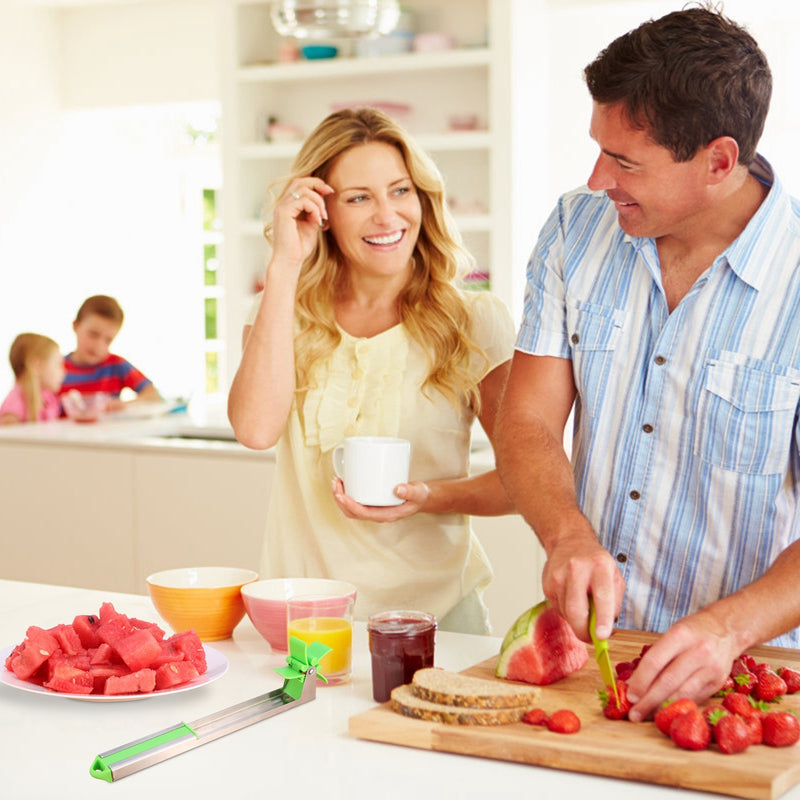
84,407
207,599
317,51
265,602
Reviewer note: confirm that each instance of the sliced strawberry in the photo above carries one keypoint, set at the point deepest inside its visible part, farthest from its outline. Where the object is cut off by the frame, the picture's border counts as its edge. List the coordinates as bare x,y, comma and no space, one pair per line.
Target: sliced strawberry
614,708
563,721
536,716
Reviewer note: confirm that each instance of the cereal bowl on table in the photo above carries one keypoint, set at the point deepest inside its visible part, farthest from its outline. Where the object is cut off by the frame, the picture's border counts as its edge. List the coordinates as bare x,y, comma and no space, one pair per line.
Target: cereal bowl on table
207,599
84,407
266,602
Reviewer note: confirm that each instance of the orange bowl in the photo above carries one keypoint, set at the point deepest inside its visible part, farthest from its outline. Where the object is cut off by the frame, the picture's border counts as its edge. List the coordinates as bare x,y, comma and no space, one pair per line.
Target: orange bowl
207,599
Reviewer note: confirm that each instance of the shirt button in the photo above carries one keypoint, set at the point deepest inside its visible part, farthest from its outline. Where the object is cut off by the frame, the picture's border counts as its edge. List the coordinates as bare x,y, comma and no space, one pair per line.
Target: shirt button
622,558
647,427
574,338
634,495
660,360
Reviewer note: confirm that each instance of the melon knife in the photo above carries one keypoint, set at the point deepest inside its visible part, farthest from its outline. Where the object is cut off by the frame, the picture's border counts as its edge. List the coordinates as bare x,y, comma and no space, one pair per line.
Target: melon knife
601,654
299,687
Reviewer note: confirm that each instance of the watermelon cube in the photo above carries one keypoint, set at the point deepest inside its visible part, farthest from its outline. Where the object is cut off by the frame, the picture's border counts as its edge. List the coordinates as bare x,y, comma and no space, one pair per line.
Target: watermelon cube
143,680
86,625
141,624
68,639
190,645
102,654
38,646
138,650
115,629
66,678
101,672
174,674
169,653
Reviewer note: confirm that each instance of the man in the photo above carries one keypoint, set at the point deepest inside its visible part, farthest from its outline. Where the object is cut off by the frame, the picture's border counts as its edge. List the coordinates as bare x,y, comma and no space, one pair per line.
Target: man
664,300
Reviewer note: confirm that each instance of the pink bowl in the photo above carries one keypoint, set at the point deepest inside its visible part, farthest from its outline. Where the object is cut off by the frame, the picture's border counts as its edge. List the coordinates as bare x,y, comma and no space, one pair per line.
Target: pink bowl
265,602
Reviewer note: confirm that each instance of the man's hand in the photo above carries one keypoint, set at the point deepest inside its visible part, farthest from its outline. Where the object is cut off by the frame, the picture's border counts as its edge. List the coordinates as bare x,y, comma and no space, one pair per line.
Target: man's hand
691,660
578,566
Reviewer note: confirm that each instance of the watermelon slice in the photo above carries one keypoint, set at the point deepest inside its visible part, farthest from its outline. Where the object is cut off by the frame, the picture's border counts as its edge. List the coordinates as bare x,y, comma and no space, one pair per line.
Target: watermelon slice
540,648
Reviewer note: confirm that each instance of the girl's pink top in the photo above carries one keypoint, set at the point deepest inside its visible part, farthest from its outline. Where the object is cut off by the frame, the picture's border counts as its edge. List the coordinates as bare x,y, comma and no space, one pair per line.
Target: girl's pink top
15,404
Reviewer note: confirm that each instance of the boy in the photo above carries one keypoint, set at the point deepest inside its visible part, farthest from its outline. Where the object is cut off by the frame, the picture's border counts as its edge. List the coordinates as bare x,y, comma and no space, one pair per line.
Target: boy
91,367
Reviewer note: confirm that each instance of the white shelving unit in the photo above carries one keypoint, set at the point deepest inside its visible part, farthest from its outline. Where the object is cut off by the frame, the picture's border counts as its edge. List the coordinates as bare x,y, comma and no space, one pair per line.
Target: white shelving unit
475,77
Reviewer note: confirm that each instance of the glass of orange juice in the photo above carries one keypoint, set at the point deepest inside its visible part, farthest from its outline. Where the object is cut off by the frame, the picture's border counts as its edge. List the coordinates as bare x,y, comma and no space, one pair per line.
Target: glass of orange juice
329,620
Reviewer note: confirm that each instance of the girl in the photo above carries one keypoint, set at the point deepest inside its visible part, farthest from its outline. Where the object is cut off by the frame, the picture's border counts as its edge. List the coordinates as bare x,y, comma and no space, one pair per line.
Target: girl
39,369
362,331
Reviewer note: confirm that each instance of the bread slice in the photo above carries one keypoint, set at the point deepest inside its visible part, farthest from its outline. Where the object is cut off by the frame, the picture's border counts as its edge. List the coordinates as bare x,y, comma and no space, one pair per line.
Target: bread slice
463,691
405,702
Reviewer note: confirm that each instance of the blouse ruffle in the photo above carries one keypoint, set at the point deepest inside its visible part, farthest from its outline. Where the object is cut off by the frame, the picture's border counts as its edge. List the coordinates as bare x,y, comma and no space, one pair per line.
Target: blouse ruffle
357,392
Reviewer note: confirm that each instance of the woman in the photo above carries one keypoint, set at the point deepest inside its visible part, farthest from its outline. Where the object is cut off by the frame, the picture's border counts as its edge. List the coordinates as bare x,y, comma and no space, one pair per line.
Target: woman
361,331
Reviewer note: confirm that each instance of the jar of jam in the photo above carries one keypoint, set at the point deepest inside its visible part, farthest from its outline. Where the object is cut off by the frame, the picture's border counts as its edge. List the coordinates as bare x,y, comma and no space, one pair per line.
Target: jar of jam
400,643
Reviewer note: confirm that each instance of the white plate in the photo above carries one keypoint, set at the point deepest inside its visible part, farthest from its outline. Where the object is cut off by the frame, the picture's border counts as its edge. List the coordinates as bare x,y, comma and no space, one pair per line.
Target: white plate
216,662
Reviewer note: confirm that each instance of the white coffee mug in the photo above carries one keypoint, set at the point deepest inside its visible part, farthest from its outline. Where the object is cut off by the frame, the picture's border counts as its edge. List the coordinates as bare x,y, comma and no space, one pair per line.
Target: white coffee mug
371,467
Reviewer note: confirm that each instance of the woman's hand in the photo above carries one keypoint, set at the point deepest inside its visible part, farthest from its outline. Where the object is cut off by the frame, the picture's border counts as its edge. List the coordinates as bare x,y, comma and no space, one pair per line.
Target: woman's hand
298,217
415,494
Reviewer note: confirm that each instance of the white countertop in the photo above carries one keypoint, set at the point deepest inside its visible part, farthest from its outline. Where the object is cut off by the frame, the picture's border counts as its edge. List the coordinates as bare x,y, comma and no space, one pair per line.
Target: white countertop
145,426
47,743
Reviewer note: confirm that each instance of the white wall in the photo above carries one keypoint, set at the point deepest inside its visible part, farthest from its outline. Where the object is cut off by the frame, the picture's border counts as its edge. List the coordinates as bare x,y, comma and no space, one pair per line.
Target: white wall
92,202
78,211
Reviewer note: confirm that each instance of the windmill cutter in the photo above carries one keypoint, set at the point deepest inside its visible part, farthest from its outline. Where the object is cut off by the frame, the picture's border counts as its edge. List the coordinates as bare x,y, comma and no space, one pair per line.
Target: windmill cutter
299,687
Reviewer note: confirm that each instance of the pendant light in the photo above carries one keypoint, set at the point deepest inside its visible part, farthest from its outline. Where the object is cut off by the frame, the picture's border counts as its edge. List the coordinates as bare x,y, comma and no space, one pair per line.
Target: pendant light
328,19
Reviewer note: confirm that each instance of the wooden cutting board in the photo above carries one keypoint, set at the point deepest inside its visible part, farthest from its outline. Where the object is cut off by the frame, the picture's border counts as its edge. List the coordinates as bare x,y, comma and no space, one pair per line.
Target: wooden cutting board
620,749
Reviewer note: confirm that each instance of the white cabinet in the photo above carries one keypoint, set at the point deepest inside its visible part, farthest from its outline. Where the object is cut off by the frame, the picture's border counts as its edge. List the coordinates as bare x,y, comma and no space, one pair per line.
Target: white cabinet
472,79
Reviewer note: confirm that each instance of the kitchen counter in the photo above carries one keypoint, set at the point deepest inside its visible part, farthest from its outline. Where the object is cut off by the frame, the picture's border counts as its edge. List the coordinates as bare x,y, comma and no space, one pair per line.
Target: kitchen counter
47,743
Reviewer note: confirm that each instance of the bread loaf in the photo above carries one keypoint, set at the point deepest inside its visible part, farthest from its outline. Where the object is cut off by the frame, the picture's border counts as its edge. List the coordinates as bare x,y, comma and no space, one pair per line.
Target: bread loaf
405,702
453,689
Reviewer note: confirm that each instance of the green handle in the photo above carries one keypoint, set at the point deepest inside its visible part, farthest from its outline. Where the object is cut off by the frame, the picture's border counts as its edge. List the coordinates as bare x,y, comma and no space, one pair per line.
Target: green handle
101,766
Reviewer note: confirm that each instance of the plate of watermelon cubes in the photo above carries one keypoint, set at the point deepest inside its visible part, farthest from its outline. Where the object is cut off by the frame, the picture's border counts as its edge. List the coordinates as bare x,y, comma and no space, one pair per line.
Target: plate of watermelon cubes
109,656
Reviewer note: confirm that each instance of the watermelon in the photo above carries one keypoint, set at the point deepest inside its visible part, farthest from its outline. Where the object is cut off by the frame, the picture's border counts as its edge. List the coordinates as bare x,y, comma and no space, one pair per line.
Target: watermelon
38,646
540,648
108,653
66,678
174,674
143,680
138,650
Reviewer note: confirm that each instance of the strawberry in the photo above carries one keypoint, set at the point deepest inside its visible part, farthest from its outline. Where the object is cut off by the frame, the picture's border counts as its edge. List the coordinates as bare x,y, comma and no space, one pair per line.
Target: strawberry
745,682
727,686
624,670
731,734
614,708
713,715
755,728
748,661
690,731
563,721
770,685
781,729
536,716
741,704
670,710
791,678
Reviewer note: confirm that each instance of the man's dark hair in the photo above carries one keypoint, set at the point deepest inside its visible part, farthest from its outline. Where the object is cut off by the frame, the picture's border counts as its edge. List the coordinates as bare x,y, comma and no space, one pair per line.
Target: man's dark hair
687,78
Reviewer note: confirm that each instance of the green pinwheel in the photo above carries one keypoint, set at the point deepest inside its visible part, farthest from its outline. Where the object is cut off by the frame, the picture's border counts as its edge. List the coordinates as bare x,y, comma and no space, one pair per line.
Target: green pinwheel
301,657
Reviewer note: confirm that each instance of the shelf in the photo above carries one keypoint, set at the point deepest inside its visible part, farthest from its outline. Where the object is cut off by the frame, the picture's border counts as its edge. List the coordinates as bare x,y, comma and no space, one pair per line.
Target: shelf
435,142
334,68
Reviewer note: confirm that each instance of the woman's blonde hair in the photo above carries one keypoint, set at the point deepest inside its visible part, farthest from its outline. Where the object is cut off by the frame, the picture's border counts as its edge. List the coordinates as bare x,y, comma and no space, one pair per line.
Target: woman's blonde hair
430,306
25,349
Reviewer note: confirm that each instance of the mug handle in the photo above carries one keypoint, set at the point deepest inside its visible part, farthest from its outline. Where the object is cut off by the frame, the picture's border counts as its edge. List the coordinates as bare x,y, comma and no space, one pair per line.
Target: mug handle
338,461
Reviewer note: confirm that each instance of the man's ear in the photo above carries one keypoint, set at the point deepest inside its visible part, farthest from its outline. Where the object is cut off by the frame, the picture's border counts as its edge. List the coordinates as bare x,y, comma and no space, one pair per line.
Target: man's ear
723,157
75,326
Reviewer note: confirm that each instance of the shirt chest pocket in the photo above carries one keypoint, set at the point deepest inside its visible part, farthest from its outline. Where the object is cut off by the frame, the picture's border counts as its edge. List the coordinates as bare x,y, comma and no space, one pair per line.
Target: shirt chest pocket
746,418
594,332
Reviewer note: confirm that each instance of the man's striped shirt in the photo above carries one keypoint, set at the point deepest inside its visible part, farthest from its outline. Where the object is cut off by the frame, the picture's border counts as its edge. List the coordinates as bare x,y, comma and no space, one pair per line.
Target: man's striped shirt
686,443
